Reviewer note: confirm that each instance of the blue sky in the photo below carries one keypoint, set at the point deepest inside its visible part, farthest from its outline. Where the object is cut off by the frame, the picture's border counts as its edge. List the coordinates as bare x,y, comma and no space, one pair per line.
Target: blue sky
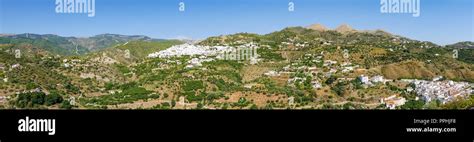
441,21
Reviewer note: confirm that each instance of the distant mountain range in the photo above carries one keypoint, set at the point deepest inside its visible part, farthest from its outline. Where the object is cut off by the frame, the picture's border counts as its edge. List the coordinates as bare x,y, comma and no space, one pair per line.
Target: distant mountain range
344,29
462,45
61,45
69,45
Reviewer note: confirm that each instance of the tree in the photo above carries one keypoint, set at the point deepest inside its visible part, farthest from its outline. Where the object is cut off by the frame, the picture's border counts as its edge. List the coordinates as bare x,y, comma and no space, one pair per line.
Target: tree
53,98
253,106
357,83
31,85
37,98
173,103
29,99
200,105
331,80
307,83
109,86
66,105
71,88
242,102
412,104
339,88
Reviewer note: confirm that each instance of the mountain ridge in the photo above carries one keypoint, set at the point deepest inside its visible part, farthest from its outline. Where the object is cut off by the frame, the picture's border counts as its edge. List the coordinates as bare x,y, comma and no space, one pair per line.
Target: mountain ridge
63,45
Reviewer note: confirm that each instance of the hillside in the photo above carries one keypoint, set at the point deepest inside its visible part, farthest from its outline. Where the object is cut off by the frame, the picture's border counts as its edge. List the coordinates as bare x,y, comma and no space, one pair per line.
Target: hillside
462,45
315,67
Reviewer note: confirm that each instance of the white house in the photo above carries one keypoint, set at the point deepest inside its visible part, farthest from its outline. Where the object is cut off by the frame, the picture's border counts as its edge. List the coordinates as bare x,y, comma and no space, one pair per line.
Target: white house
364,79
393,101
377,79
272,73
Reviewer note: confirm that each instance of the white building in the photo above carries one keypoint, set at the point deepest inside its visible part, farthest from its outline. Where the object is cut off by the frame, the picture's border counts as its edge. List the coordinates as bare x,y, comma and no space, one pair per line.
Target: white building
272,73
437,78
393,101
15,66
377,79
444,91
316,84
365,80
